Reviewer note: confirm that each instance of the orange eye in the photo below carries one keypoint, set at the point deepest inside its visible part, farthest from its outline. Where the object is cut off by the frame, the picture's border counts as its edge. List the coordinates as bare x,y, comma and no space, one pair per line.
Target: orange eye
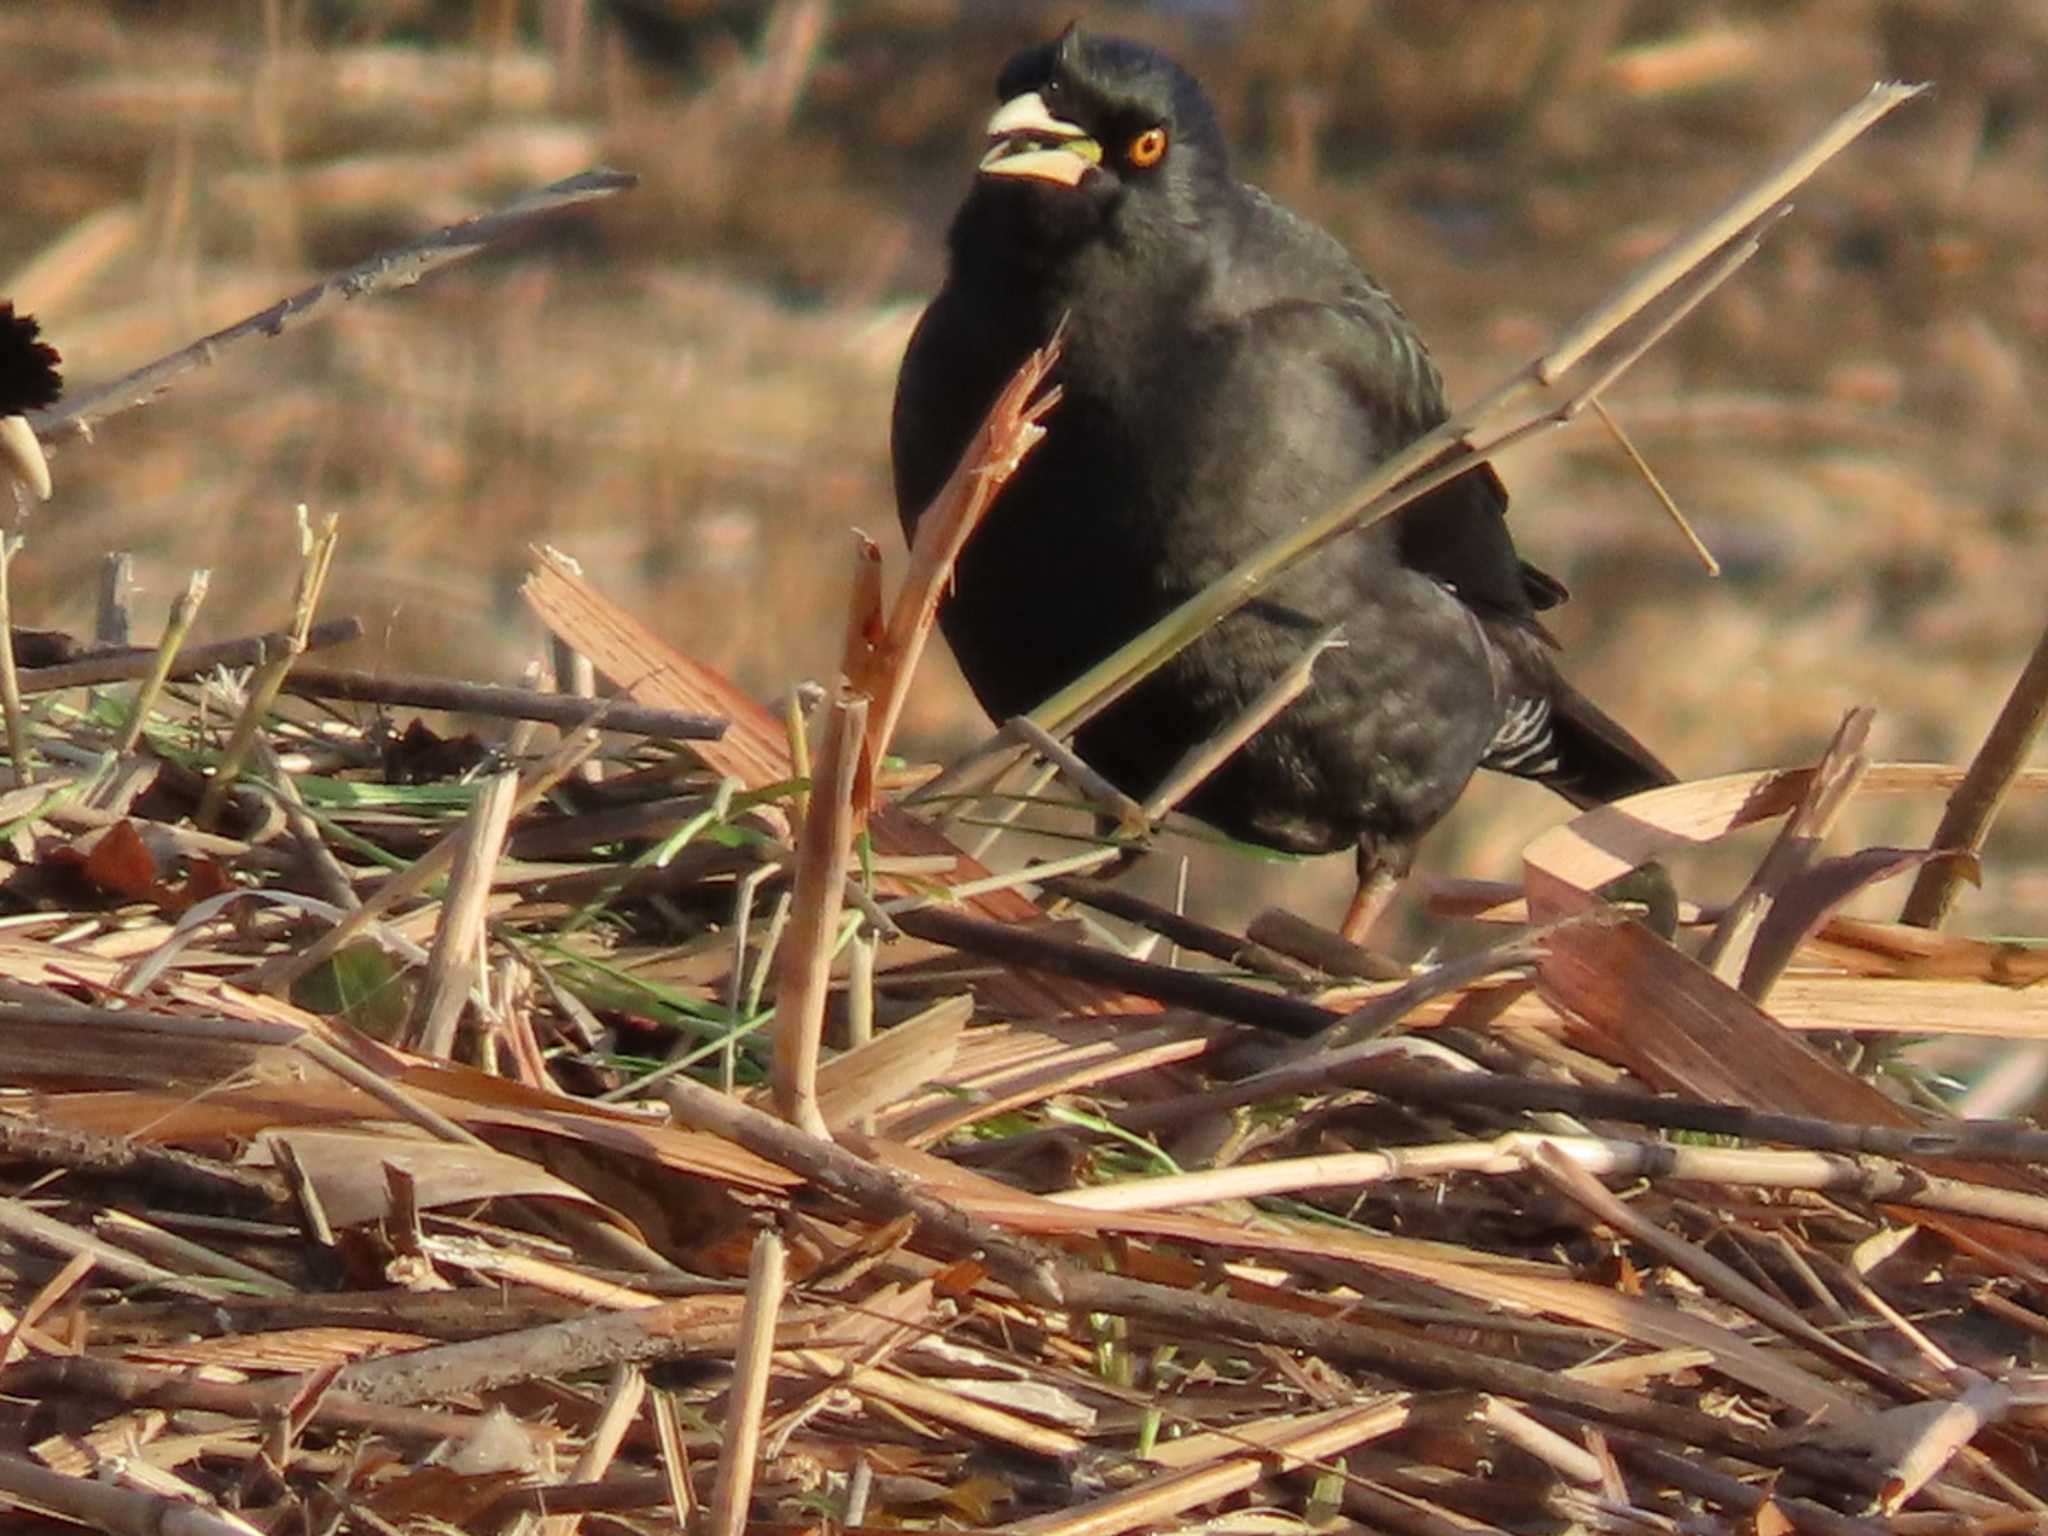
1147,149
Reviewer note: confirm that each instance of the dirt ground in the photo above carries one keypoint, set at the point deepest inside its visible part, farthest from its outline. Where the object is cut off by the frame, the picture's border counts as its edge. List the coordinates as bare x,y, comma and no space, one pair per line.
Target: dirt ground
689,391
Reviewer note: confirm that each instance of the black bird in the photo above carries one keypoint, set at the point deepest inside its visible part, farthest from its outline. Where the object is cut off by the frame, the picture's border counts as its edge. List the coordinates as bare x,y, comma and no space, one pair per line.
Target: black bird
28,381
1227,371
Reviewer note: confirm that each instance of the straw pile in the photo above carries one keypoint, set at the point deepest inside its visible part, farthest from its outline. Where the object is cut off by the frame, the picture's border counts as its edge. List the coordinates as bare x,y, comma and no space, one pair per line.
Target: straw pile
636,1108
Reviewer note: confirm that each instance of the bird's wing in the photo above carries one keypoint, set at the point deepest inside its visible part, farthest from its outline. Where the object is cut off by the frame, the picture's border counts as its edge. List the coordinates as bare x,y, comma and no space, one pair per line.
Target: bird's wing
1456,534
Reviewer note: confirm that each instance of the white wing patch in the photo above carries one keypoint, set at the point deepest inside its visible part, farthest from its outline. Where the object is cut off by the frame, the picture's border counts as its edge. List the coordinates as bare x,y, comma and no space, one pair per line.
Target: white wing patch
1523,744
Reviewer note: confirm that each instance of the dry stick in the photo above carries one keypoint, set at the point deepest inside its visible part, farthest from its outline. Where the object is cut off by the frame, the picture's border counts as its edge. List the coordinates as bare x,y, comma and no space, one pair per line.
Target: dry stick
31,1227
1976,800
23,469
1232,948
1862,1178
458,941
103,1507
733,1489
1428,1365
1327,950
1185,989
384,1091
1651,478
1200,761
184,610
79,412
1009,431
1692,1475
622,1402
1415,1083
113,621
1105,796
575,678
86,1378
860,1008
1562,1456
164,1171
1311,1066
803,964
278,974
1024,1267
1603,344
797,732
122,666
695,1325
1832,786
675,1460
10,676
503,701
319,558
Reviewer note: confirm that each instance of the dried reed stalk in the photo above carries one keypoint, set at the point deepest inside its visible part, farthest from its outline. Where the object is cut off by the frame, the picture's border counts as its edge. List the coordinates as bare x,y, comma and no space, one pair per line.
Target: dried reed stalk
803,968
1835,780
1009,432
318,559
1991,776
741,1442
453,964
184,612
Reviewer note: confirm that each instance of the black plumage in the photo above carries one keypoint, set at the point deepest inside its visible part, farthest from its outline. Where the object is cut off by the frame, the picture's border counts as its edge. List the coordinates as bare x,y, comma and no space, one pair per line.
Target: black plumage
28,381
28,367
1227,371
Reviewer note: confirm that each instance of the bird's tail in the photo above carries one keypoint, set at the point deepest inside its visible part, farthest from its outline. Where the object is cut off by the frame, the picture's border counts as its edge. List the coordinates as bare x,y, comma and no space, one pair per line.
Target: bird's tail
1595,760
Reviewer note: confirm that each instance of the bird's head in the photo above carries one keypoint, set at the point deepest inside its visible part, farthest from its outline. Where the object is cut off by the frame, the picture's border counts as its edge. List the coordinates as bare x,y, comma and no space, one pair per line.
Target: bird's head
1098,136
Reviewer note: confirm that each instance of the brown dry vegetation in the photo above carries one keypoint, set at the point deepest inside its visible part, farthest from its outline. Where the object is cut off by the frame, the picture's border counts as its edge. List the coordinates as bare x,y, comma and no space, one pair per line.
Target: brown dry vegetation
447,1230
690,392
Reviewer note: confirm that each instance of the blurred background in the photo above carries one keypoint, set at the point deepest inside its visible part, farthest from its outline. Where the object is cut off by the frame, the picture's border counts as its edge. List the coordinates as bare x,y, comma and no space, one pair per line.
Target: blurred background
689,389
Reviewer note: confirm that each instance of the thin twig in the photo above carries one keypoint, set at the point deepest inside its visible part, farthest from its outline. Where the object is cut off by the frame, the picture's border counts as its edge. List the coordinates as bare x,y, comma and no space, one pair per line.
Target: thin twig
1416,1083
192,661
318,560
1655,482
1185,989
626,1392
82,410
103,1506
184,610
328,875
1204,758
1232,948
1027,1269
502,701
1975,802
